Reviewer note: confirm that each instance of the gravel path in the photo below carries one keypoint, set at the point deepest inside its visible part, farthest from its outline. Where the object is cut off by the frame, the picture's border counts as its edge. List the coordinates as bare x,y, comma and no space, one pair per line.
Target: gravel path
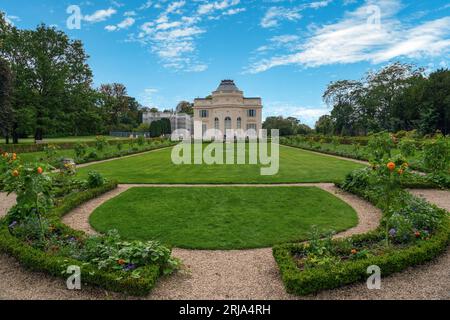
243,274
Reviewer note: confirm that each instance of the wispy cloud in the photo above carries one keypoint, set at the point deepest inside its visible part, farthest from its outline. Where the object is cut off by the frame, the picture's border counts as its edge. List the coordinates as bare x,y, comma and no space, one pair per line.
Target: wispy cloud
125,24
100,15
173,34
358,37
274,15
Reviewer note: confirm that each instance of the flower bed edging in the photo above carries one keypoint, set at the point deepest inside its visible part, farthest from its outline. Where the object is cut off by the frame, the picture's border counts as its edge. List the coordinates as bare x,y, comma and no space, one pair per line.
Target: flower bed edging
37,260
303,282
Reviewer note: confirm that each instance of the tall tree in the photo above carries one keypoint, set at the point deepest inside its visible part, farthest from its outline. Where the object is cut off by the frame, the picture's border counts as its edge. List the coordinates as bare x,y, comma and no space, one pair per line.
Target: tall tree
185,107
6,112
436,103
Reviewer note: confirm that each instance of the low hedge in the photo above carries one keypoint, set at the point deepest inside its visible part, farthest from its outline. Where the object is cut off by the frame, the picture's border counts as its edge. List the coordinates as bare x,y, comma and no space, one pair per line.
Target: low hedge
37,260
126,153
314,280
32,147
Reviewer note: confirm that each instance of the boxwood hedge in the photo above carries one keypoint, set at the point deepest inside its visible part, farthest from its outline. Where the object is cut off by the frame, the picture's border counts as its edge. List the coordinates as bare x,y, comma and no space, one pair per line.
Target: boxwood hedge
37,260
303,282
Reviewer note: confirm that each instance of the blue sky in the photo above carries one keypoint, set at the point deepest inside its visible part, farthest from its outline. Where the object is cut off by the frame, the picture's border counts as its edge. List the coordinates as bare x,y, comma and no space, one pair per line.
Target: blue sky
285,51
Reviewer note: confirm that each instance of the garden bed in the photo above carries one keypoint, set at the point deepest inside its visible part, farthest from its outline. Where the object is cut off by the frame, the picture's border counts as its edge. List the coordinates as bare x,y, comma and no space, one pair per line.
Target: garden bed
412,232
56,263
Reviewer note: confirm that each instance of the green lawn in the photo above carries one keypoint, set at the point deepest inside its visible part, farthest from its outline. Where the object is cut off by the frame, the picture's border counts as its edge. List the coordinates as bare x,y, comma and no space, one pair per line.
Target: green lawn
223,217
156,167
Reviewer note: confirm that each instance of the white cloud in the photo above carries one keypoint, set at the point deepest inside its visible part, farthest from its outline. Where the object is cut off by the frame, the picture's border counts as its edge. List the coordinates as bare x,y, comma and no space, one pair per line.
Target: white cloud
275,14
231,12
130,13
208,8
10,19
128,22
357,37
174,6
307,115
125,24
111,28
146,5
100,15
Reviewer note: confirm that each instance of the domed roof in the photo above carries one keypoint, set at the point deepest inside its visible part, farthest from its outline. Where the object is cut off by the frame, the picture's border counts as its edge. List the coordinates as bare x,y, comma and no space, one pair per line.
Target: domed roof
227,85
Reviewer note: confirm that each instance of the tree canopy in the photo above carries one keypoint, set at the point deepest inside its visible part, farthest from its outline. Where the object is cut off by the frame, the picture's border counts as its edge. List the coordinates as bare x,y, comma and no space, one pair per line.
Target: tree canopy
396,97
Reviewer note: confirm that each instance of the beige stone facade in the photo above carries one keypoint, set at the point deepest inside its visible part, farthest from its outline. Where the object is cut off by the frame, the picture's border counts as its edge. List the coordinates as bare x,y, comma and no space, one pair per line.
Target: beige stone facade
227,108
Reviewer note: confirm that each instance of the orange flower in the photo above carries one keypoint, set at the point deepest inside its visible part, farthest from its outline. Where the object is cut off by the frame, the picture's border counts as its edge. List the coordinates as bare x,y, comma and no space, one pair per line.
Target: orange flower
121,262
391,166
400,171
15,173
14,156
40,170
417,234
354,251
6,155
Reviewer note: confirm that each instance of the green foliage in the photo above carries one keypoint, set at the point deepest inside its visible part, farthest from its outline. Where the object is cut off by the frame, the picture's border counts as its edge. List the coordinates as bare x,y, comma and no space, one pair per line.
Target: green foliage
101,143
418,231
286,126
80,150
140,140
380,146
436,154
407,147
113,253
95,179
51,153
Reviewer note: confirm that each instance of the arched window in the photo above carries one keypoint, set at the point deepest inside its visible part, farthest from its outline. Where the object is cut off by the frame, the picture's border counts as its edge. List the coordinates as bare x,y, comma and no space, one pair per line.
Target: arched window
227,123
239,123
216,123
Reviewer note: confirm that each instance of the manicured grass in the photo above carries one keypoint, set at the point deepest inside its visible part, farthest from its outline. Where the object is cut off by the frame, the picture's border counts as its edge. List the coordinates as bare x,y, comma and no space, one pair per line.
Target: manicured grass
223,217
156,167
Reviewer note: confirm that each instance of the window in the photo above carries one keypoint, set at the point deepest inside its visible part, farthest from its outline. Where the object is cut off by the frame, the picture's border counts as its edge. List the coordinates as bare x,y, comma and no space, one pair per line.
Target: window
238,124
203,113
251,126
216,123
251,113
227,123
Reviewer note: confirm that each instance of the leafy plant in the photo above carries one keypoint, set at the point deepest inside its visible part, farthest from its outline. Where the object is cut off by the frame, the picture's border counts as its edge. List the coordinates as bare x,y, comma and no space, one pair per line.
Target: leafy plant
95,179
407,147
436,154
80,150
101,143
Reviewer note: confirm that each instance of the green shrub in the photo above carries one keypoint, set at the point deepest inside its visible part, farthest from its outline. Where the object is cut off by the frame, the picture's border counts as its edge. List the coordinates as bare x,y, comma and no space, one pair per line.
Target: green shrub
80,150
95,179
101,143
407,147
436,154
138,282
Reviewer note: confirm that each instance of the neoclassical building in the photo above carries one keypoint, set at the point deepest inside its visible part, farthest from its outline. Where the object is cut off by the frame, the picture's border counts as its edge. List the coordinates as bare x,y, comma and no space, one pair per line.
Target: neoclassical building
227,108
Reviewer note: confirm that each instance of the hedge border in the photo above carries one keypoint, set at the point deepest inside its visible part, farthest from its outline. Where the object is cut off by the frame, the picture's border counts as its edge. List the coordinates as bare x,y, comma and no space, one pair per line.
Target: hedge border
32,147
417,185
303,282
37,260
